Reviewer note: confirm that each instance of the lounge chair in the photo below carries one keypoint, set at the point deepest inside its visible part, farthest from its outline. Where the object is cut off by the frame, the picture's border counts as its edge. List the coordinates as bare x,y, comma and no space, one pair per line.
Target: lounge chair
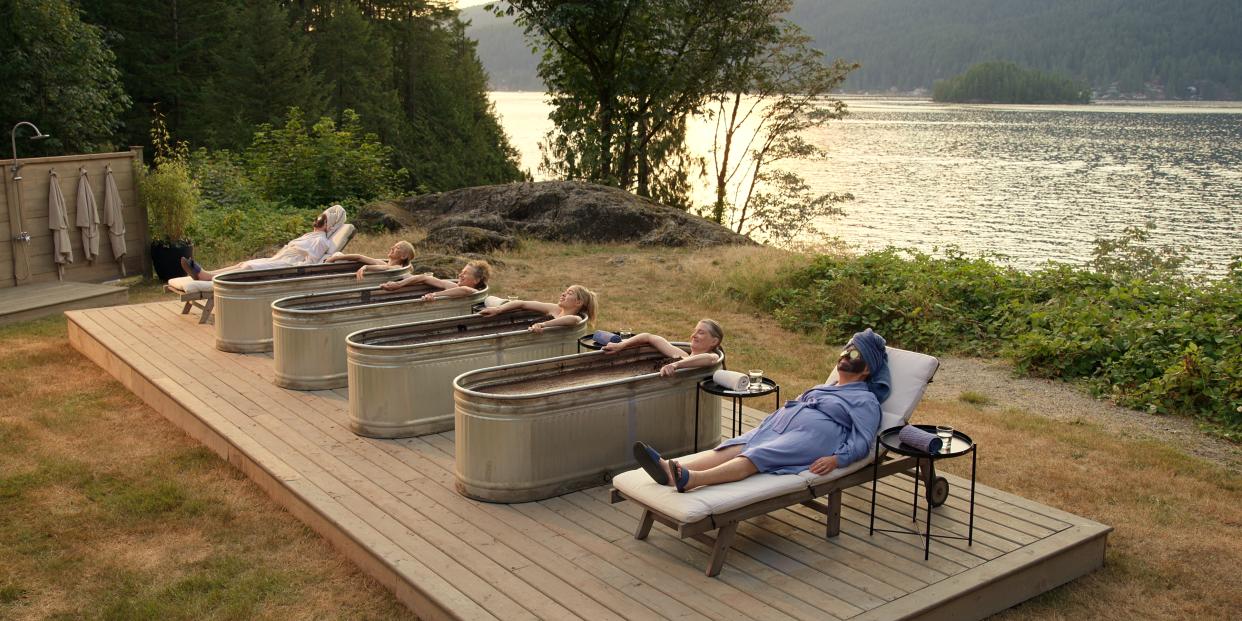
198,293
723,507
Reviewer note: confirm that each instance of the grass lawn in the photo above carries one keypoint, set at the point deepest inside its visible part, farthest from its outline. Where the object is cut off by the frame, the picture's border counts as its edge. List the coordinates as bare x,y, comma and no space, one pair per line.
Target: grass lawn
108,511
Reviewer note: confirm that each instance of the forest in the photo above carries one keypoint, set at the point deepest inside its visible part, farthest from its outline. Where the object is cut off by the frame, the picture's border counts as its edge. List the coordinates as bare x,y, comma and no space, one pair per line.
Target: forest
1001,82
96,73
1122,48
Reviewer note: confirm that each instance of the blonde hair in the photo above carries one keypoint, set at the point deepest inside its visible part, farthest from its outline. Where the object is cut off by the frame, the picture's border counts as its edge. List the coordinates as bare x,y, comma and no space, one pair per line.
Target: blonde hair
407,249
482,271
590,301
714,328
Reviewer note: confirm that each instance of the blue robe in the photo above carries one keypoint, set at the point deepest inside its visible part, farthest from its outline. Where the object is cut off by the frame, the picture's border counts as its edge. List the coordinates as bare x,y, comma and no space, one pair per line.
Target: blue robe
825,420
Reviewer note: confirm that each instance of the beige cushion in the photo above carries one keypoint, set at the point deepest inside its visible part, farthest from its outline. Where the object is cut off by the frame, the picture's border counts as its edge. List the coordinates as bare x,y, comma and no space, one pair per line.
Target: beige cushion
341,237
911,373
697,504
186,284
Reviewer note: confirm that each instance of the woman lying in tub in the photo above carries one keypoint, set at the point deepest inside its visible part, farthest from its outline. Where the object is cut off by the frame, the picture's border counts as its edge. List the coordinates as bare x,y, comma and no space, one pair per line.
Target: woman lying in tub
704,341
398,256
471,280
308,249
575,304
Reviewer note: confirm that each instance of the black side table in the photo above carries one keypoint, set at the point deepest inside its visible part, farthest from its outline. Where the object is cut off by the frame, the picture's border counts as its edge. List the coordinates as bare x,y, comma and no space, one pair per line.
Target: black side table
712,388
937,489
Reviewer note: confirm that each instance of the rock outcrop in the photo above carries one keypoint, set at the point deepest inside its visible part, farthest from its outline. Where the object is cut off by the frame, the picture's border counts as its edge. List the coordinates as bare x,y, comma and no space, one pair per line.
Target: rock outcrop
486,218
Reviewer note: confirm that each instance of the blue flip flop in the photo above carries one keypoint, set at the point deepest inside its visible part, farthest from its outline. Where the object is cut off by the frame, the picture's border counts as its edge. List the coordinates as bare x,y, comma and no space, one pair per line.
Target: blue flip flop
681,476
649,459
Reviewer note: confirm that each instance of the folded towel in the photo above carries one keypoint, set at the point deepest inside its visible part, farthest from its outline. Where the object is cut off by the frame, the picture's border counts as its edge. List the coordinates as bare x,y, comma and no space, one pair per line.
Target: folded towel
918,439
492,301
731,380
189,285
603,337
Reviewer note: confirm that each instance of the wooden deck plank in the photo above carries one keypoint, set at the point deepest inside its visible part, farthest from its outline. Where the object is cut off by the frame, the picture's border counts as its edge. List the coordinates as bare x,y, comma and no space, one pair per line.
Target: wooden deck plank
391,506
347,506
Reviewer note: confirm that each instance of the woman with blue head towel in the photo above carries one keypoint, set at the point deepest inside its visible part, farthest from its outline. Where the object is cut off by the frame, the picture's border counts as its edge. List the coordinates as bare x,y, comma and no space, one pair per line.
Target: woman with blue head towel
829,426
704,342
575,304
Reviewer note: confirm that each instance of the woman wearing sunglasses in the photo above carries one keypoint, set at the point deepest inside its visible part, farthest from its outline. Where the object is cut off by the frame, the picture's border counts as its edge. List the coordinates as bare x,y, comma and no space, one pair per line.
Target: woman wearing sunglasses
829,426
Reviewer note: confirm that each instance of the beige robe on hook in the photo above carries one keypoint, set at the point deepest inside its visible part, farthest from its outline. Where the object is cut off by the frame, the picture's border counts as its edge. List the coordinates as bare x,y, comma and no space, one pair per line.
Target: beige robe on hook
88,217
114,219
58,222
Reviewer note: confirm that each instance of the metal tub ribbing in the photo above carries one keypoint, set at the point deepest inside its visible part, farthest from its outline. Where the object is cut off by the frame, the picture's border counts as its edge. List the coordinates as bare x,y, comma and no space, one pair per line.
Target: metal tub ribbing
401,377
308,331
243,300
539,429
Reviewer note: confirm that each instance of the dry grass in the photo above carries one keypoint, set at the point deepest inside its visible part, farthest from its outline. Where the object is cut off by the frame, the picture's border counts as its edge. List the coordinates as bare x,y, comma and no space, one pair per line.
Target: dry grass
109,511
99,521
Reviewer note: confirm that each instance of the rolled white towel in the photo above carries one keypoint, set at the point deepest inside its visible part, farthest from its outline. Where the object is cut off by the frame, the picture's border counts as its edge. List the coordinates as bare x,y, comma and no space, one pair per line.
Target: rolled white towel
492,301
189,285
731,380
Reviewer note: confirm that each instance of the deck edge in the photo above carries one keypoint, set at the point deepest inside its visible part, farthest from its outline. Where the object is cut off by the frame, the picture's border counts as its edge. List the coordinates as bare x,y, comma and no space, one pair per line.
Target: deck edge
159,398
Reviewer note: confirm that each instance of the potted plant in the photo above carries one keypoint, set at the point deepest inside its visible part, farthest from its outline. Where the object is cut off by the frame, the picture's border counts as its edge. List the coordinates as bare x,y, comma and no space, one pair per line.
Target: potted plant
169,195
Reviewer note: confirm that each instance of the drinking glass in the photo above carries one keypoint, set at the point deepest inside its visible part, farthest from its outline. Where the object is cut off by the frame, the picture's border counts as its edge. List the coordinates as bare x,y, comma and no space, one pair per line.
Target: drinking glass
756,379
945,433
625,333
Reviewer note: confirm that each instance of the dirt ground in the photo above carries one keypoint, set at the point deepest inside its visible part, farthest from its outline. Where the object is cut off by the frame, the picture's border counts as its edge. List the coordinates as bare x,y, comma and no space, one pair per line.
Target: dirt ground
1057,400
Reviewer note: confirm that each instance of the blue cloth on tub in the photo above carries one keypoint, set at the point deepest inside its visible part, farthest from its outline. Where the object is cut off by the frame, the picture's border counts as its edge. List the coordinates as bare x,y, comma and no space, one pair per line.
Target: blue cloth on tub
603,337
828,419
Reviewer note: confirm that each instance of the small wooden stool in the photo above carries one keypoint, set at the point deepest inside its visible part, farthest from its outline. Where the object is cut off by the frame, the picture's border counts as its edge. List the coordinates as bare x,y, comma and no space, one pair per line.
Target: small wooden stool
204,300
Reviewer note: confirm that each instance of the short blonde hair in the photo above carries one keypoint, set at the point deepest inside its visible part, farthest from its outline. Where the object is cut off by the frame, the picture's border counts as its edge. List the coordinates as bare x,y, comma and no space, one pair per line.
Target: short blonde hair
407,249
482,271
590,301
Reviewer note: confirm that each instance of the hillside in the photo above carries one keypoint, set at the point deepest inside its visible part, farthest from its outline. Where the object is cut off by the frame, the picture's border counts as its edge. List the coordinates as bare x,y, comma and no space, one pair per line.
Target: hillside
1188,49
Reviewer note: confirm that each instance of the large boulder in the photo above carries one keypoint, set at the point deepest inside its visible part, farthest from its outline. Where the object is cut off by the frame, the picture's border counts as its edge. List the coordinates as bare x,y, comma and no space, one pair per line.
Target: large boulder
462,239
565,211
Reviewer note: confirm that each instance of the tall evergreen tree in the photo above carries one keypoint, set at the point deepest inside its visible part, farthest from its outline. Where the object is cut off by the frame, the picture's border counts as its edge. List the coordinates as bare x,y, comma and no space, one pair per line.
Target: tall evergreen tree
58,74
166,50
265,69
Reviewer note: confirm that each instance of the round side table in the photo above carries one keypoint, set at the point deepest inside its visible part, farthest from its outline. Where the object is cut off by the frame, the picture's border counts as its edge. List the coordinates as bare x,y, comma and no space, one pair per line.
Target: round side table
937,488
712,388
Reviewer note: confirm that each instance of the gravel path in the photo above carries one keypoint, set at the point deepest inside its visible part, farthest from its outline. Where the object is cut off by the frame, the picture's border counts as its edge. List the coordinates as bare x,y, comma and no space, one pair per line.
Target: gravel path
1061,401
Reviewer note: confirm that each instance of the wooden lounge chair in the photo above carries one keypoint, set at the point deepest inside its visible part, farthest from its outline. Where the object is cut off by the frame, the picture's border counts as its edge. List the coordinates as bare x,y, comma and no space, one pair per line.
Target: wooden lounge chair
198,293
723,507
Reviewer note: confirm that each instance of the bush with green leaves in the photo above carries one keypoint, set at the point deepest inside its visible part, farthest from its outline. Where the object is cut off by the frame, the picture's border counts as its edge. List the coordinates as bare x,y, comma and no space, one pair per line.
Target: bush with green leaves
322,164
1158,341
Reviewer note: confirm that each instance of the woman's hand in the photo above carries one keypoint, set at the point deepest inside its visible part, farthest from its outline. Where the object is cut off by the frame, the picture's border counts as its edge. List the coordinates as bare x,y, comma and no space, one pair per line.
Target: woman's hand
824,465
361,273
391,285
488,312
537,328
429,297
333,258
611,348
669,369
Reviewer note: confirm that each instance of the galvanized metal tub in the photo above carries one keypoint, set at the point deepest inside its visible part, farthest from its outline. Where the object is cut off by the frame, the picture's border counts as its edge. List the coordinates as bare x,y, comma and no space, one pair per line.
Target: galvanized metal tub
308,331
401,377
243,305
539,429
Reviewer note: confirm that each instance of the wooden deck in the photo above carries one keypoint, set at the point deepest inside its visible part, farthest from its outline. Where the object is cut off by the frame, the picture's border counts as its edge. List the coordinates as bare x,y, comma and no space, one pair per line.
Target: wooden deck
390,506
47,298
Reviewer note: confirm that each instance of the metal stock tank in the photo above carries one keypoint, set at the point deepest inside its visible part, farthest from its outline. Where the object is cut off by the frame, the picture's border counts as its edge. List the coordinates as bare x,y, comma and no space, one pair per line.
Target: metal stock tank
539,429
243,306
308,331
401,377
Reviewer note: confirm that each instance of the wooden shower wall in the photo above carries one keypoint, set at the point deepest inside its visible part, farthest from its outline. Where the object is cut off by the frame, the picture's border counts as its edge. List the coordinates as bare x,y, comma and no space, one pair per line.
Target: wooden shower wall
30,262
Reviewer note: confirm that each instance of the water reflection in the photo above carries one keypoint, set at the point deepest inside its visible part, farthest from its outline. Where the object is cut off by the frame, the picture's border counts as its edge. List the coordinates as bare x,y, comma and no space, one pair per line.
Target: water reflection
1033,183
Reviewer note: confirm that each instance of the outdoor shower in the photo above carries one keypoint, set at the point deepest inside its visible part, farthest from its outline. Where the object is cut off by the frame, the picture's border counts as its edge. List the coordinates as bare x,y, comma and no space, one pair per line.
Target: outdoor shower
16,168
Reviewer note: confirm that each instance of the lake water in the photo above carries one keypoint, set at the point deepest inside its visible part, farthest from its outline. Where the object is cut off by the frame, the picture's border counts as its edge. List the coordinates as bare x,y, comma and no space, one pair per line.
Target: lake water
1032,183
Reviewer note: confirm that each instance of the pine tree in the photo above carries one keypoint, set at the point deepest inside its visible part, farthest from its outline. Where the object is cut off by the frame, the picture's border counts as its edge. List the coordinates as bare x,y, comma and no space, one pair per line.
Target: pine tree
265,69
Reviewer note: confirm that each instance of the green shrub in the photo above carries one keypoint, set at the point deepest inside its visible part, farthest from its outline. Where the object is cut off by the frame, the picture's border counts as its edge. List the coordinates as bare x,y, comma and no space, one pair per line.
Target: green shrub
323,164
1139,333
169,196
